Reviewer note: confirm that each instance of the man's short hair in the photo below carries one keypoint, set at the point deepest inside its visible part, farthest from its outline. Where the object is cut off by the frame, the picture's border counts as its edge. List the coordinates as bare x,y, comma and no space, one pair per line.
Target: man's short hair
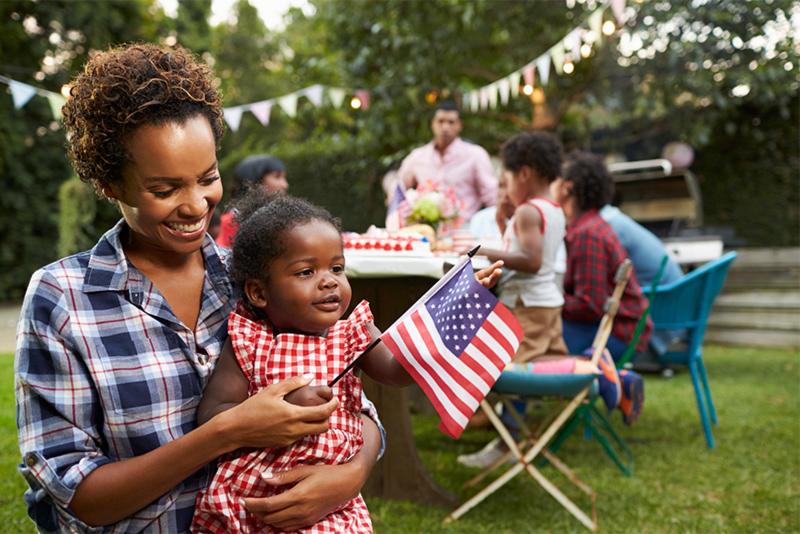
448,106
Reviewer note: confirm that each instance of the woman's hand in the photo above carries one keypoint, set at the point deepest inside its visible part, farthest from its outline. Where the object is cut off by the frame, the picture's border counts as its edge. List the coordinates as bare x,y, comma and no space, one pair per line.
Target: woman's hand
317,490
267,420
488,277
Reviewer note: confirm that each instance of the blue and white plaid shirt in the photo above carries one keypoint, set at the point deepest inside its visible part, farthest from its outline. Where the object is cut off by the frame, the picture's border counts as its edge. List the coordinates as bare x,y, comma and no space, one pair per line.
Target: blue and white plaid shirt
105,371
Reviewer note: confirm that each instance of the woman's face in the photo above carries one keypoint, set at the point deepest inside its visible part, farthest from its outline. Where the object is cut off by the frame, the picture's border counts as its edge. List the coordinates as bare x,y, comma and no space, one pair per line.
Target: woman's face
171,187
275,182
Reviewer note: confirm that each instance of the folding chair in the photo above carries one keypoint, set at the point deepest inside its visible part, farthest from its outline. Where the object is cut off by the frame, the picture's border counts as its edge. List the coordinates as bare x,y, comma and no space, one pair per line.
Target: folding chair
595,423
524,384
686,303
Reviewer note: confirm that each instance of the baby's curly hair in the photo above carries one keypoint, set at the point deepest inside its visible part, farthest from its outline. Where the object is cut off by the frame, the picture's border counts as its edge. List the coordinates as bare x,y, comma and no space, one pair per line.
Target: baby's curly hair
264,220
592,184
541,151
129,86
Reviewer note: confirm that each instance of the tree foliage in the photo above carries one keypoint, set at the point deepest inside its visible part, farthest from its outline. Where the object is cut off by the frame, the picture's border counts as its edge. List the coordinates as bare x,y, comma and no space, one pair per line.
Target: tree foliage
43,44
721,75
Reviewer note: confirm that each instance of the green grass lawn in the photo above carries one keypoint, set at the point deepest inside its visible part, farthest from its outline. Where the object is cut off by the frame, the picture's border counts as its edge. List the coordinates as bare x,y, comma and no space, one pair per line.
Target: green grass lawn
749,484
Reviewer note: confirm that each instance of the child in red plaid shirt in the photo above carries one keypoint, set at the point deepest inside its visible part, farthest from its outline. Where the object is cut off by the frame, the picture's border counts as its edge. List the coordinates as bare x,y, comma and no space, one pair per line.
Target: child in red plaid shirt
288,259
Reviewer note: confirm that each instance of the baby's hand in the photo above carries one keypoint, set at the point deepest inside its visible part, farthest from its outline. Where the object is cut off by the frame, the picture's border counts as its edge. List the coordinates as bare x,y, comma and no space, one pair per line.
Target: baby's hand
309,396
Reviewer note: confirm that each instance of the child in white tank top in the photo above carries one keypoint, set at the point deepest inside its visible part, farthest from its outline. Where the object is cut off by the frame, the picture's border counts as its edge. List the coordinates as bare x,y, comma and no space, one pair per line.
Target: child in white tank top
531,238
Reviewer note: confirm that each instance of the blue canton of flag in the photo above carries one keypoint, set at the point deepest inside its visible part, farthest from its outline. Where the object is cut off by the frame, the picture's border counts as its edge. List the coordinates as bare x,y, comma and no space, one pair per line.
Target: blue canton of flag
455,343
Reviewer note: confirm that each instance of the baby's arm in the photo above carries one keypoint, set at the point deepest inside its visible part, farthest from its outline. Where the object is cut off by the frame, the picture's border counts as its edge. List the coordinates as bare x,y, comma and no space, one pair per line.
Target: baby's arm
381,366
227,387
528,223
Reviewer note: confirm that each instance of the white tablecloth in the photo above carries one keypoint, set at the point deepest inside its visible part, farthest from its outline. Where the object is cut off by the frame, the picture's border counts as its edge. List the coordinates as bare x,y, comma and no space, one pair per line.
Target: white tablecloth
375,266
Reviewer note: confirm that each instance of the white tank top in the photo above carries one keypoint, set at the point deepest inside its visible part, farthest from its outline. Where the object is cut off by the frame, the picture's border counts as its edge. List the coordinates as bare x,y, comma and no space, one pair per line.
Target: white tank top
536,289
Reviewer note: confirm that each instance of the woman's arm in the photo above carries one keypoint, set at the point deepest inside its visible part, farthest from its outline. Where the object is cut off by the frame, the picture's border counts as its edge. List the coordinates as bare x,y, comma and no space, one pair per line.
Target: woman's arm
116,490
317,490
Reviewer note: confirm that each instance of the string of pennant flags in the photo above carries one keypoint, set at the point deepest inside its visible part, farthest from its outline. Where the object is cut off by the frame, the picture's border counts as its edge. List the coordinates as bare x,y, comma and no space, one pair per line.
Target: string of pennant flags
567,50
288,103
563,54
21,94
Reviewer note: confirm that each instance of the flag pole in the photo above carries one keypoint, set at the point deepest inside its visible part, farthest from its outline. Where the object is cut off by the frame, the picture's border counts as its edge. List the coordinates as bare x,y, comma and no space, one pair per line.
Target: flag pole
421,302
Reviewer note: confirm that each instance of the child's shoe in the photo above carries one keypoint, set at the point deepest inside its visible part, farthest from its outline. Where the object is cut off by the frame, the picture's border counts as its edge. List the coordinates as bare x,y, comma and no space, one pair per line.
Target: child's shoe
632,396
608,381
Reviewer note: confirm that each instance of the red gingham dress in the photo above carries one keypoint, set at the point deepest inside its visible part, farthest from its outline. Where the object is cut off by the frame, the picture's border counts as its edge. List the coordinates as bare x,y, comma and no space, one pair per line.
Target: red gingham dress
266,360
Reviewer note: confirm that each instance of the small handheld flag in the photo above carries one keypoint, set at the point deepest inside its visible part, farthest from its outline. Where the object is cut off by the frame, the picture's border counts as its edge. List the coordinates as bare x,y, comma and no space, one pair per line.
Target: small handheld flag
455,342
399,209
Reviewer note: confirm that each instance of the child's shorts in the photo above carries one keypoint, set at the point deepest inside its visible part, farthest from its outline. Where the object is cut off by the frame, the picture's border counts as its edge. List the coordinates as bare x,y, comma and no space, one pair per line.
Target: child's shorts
543,332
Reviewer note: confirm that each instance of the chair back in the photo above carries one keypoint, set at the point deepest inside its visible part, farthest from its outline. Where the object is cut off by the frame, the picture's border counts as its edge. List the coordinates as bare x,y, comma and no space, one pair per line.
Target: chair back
686,303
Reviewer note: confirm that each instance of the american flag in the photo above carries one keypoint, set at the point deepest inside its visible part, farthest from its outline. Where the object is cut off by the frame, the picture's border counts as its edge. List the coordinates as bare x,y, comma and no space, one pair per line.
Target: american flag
399,209
455,342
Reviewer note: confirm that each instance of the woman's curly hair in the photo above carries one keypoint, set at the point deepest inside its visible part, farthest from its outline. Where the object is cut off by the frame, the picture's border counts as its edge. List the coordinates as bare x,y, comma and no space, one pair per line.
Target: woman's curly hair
541,151
129,86
592,184
264,220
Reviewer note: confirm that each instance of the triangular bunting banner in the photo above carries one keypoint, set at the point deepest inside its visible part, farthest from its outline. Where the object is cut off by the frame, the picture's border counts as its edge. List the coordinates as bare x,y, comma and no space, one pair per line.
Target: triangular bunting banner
484,98
21,93
527,74
492,95
337,96
233,116
474,101
56,102
288,104
557,55
314,95
503,88
262,110
596,23
513,80
543,66
618,8
572,42
363,95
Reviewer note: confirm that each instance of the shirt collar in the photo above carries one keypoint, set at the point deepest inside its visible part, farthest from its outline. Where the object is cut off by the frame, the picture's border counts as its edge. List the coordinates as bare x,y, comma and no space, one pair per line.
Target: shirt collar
108,268
451,149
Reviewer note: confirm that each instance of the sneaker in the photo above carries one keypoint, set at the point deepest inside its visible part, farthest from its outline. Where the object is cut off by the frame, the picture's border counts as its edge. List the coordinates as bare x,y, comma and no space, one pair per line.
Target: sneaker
485,457
632,396
608,381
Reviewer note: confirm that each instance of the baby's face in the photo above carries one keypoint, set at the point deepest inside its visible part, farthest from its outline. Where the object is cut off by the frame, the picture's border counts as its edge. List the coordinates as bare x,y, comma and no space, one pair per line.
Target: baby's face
307,291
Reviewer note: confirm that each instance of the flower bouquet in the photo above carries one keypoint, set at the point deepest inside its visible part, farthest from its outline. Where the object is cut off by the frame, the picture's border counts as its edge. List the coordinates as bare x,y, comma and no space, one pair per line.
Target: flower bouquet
435,206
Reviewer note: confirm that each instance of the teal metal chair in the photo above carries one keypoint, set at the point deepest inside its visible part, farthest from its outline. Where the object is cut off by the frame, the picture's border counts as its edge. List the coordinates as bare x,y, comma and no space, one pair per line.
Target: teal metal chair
686,303
595,423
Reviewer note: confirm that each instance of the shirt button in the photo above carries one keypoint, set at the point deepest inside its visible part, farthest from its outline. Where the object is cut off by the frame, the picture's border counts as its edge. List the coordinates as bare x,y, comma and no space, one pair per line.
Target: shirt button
201,360
30,460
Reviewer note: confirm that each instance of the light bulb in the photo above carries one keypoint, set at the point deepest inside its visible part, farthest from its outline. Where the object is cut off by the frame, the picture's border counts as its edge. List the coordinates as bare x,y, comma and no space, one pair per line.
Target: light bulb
355,103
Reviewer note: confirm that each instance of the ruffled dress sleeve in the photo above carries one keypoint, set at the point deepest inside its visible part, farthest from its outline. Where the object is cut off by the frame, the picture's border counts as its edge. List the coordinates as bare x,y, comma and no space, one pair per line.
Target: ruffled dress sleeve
357,336
246,332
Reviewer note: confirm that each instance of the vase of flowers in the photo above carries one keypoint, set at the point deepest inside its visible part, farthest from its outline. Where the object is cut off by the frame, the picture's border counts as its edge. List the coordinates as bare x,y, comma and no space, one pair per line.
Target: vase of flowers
435,206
